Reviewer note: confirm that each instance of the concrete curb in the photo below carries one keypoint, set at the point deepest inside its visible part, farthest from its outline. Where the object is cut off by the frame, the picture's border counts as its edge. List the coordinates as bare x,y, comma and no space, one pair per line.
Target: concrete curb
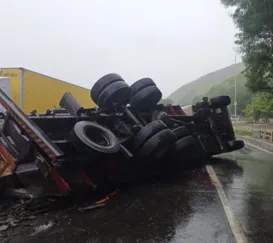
257,142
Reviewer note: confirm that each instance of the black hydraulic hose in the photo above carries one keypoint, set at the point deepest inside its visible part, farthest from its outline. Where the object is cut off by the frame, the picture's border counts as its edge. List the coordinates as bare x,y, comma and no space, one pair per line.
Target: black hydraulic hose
180,122
132,117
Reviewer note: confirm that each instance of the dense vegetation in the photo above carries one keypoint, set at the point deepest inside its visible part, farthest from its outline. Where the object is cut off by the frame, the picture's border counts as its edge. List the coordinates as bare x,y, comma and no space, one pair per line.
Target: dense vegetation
254,20
197,88
223,87
244,97
253,106
261,108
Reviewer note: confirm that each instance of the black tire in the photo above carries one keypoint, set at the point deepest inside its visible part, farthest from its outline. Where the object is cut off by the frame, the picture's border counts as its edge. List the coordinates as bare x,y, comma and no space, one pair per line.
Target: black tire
141,84
181,132
158,145
102,83
236,145
220,102
148,131
187,144
189,149
101,140
118,92
146,98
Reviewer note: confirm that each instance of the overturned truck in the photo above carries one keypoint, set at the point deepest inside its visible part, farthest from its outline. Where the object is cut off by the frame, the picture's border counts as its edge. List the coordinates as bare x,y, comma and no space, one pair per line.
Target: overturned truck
129,136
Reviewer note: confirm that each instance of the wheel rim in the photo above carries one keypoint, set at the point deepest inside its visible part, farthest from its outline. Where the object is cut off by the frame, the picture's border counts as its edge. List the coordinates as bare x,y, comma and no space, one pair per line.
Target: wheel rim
96,136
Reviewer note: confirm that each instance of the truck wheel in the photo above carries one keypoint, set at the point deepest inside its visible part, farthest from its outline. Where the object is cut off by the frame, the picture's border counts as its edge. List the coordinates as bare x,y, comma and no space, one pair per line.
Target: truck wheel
236,145
146,98
181,132
141,84
158,145
186,144
148,131
102,83
220,102
87,136
117,92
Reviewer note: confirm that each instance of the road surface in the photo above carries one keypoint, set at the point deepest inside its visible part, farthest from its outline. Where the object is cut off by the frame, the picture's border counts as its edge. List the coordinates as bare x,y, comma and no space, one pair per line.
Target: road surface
232,203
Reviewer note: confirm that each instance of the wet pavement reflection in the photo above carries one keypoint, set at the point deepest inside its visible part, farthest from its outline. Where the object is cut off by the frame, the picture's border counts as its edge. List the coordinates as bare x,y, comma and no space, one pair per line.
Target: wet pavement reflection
181,208
184,208
248,183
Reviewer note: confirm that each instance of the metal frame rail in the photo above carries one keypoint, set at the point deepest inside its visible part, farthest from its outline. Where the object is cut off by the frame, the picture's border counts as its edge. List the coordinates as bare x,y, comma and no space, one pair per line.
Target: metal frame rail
48,153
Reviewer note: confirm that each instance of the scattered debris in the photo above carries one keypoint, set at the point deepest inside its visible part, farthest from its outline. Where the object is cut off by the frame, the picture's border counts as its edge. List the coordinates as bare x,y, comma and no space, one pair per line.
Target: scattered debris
31,217
16,212
19,194
104,200
100,203
4,227
42,228
12,224
94,206
114,192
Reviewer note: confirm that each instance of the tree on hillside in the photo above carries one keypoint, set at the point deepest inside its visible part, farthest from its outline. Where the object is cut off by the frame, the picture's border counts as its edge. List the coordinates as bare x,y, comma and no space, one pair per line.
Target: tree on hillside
227,88
264,104
255,39
262,107
252,114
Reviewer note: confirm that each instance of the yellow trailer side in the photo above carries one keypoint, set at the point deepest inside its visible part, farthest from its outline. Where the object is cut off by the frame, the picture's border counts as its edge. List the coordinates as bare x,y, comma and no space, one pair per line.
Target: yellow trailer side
14,74
33,90
43,92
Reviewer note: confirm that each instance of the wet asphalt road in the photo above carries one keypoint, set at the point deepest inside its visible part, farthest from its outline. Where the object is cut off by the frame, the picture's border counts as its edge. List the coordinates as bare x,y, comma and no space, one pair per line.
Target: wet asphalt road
185,208
248,185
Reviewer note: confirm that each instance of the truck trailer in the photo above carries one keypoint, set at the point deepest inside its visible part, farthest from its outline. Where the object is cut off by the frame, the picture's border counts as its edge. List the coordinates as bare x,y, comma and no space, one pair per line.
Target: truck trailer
35,91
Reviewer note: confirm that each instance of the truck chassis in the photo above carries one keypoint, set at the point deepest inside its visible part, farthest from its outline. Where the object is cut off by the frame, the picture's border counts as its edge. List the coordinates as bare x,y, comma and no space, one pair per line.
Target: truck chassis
53,143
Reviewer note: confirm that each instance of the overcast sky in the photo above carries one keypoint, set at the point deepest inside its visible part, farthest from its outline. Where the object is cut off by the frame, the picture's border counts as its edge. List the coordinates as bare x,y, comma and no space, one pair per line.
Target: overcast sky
171,41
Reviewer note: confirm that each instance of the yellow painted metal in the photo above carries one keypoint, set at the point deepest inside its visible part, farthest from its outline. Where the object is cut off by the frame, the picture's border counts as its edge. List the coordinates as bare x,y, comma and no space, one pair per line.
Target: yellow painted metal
42,92
14,75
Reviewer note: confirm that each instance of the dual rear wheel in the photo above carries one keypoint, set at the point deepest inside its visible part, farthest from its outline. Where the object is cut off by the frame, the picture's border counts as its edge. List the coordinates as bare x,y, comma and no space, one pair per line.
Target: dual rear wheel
112,89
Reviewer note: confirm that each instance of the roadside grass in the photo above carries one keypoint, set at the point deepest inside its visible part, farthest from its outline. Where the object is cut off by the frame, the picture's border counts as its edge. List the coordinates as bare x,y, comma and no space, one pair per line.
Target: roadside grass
243,133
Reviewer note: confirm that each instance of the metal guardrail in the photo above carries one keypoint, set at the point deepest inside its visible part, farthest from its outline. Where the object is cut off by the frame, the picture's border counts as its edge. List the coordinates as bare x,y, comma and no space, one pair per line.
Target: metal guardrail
266,134
243,129
257,132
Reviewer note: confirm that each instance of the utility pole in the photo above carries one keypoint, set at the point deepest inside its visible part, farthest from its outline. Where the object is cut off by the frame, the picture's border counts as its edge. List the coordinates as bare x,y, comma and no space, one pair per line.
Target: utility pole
235,93
252,111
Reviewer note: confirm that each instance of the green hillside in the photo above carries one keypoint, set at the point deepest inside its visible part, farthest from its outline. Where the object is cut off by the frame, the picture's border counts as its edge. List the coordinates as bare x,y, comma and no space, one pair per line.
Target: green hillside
187,93
227,87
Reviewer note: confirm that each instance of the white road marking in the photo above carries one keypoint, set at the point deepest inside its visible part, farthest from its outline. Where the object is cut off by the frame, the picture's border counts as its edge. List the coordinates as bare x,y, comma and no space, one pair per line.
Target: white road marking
254,146
234,225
